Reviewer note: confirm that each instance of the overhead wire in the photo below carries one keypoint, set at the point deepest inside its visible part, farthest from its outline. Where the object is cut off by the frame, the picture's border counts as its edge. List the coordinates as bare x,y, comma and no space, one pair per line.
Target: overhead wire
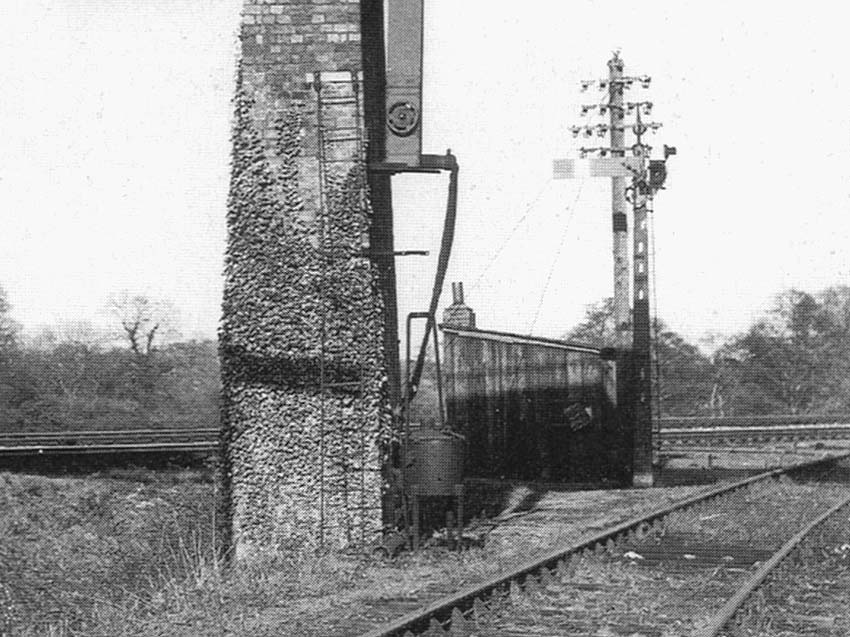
572,209
510,235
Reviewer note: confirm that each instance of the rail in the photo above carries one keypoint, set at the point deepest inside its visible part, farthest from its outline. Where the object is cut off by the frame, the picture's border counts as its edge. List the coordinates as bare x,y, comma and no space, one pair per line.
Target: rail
440,614
688,430
756,433
730,609
682,422
202,439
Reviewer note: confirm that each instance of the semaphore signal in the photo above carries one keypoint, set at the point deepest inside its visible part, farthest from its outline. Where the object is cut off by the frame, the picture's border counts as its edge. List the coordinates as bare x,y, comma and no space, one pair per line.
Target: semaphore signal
634,180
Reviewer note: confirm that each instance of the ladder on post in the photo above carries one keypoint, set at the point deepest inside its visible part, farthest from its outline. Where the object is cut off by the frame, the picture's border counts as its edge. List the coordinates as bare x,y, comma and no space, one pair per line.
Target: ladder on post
338,99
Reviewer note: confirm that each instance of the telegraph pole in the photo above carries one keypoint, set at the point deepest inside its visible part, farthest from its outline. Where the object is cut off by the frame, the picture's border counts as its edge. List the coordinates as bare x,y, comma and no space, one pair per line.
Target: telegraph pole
649,180
642,460
618,206
612,163
644,177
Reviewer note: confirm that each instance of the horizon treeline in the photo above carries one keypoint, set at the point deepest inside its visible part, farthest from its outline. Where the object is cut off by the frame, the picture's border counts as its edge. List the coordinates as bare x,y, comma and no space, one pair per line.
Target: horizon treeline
794,359
77,377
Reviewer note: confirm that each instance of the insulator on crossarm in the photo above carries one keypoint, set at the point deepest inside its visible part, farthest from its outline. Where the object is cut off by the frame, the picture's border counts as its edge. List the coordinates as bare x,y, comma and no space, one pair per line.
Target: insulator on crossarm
603,109
575,130
637,150
645,81
588,131
647,108
603,85
584,109
585,85
603,152
602,130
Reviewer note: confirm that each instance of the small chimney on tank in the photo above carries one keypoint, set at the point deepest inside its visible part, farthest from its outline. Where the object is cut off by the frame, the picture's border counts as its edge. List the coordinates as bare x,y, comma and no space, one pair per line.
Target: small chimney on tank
458,314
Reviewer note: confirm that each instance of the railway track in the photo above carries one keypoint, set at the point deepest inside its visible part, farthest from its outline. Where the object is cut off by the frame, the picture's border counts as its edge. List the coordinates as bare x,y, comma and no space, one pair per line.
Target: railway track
801,589
595,585
675,432
704,422
754,434
17,444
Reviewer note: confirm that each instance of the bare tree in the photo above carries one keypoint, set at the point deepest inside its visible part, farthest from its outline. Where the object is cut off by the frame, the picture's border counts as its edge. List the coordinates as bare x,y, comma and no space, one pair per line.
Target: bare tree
145,322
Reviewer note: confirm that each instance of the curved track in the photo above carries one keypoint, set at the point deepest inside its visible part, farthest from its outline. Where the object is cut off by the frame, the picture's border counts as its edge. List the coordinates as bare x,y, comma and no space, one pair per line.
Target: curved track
746,611
453,612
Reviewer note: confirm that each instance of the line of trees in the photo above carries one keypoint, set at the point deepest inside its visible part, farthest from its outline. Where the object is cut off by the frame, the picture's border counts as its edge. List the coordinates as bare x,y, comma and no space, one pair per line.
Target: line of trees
75,376
793,360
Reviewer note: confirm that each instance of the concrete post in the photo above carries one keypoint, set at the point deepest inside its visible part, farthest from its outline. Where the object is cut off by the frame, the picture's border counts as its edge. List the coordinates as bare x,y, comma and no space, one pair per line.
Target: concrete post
622,317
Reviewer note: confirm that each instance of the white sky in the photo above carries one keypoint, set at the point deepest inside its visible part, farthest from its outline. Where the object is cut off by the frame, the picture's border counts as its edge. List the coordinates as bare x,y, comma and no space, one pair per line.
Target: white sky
115,124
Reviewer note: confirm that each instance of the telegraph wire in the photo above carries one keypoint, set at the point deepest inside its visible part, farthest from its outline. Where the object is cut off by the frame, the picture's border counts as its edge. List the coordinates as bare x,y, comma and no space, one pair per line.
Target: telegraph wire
572,210
504,243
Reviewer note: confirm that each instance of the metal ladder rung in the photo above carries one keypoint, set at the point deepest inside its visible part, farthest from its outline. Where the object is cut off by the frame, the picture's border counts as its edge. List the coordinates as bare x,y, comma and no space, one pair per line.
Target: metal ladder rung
347,81
340,140
340,129
343,161
338,101
347,383
310,81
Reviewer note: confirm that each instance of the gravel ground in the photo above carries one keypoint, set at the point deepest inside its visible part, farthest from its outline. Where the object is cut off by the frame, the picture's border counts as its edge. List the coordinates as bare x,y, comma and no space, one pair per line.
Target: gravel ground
671,582
388,590
807,593
349,595
325,596
330,605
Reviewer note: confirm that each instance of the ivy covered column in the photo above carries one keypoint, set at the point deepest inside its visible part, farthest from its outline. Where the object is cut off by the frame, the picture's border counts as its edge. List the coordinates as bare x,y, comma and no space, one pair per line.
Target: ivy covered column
305,408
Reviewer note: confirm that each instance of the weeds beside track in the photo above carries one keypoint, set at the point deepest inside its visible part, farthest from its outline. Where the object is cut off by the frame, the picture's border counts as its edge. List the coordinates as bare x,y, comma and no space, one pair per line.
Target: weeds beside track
469,607
816,558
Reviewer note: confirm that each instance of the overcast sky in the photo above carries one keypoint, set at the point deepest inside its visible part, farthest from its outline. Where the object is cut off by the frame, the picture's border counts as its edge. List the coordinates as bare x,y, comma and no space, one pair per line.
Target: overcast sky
115,123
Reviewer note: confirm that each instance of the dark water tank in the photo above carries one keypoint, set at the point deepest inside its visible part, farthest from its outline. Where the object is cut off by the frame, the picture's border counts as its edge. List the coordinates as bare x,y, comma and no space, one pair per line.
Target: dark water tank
436,461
